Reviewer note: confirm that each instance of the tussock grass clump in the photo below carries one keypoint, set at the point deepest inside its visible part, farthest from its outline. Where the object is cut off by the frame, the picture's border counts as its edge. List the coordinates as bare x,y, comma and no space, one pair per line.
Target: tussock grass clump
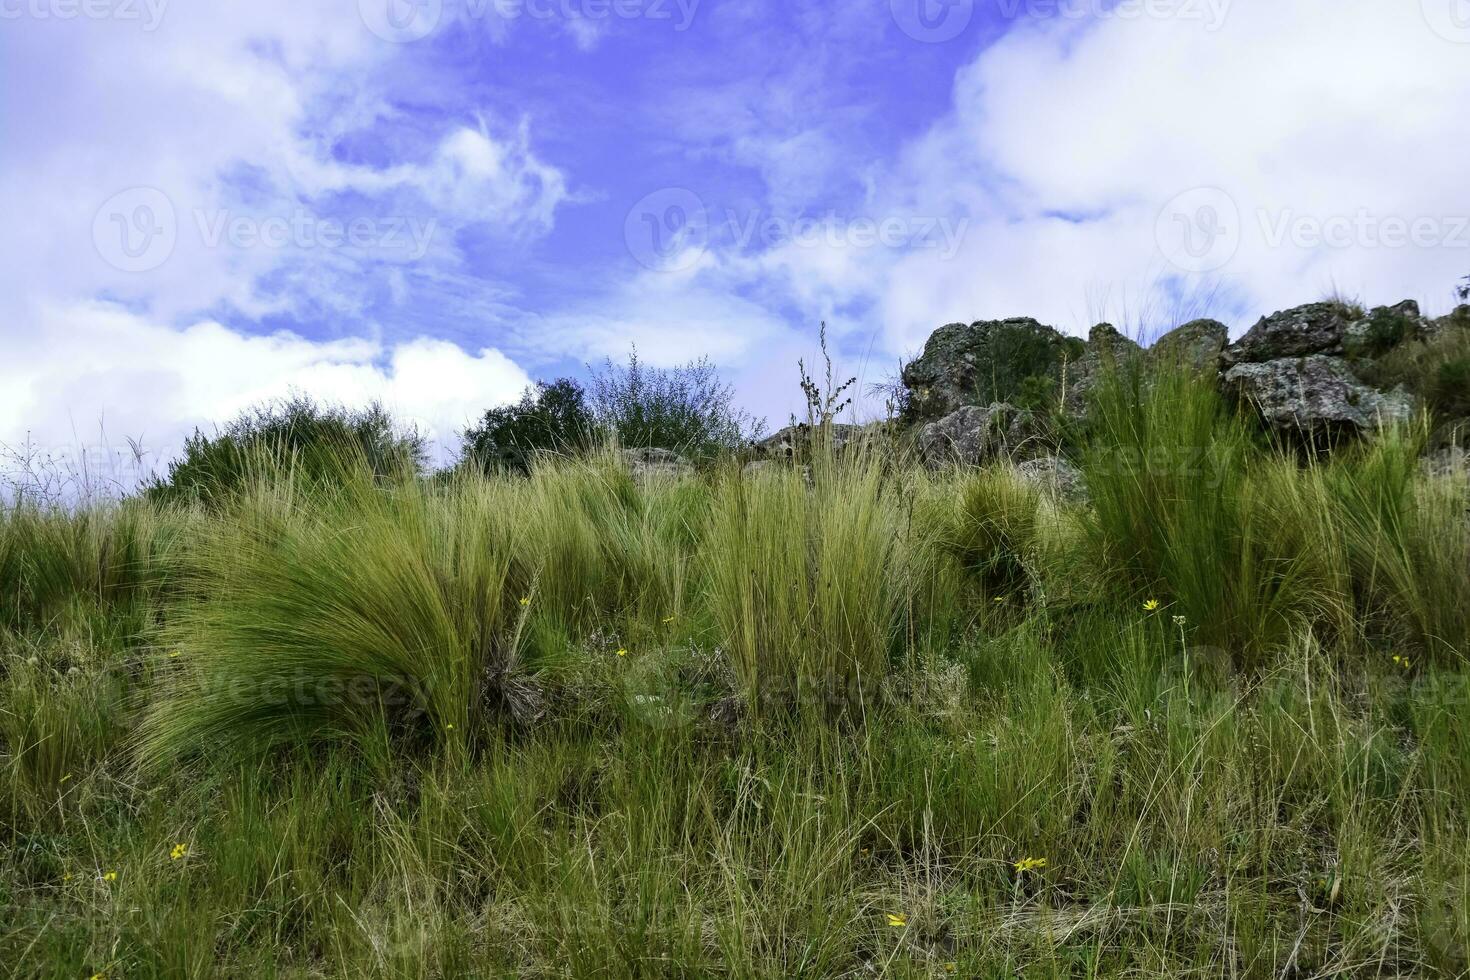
806,583
841,719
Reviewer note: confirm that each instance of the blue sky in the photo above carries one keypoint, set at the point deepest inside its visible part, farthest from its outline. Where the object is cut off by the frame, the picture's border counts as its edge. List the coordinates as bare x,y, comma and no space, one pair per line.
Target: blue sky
431,202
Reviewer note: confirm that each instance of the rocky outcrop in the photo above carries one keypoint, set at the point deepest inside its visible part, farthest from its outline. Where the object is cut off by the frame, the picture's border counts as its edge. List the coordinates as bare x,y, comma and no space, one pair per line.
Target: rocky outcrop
1317,328
1197,345
1316,395
1322,368
983,363
1055,476
974,435
656,464
796,441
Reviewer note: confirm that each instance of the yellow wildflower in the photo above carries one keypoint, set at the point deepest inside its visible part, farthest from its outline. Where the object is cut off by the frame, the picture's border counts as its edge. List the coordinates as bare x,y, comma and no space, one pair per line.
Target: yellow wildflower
1151,605
449,727
897,921
951,968
1403,662
1030,864
179,851
525,600
109,876
622,653
668,619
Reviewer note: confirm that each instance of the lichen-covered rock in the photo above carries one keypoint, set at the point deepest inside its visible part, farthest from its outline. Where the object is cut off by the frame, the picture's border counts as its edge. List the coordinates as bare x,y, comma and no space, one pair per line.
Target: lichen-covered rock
1055,476
1197,345
1383,329
974,435
1316,395
796,440
1106,348
983,363
1316,328
1458,320
653,464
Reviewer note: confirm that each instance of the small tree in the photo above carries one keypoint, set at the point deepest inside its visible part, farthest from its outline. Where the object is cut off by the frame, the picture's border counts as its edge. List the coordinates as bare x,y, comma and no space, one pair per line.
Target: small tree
550,417
314,441
688,409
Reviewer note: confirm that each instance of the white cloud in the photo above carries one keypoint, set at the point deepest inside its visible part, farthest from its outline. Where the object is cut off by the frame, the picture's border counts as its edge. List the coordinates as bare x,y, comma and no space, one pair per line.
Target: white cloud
94,368
1068,138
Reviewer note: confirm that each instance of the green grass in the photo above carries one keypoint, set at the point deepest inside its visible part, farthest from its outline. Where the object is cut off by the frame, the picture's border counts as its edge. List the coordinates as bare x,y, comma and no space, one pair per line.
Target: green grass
746,725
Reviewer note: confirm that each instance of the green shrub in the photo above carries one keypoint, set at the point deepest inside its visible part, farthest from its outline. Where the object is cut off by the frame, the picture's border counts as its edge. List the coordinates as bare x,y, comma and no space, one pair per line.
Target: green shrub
297,435
687,409
550,418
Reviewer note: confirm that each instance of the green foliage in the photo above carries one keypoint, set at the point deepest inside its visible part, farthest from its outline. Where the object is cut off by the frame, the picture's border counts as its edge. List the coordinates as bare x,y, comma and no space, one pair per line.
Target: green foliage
297,435
1436,368
688,409
540,726
550,418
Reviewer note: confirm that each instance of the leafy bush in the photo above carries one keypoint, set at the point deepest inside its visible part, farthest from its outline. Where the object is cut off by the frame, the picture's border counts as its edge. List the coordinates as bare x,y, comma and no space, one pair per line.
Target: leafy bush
312,441
550,418
688,409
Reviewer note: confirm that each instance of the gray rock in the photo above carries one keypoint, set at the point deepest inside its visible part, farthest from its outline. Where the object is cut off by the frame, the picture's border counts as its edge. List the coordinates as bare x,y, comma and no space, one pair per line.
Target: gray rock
983,363
1197,345
1383,329
1317,328
1316,394
1106,348
1055,476
652,464
974,435
795,440
1458,320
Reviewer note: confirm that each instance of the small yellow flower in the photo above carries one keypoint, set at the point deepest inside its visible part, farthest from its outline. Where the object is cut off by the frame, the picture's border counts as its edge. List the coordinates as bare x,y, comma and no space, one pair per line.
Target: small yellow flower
1403,662
1151,605
525,600
622,653
175,655
67,876
99,976
109,876
449,727
1030,864
668,619
179,851
999,599
898,920
951,968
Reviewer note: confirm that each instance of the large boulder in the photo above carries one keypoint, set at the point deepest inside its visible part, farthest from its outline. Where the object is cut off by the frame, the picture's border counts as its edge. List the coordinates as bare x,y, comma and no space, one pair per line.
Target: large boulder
1197,345
656,464
1106,348
1383,329
796,441
1316,395
1316,328
986,362
974,435
1054,476
1458,320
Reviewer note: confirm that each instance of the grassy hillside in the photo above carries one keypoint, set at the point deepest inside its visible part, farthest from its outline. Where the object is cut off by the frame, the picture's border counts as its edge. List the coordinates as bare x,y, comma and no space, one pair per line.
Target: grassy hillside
863,721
